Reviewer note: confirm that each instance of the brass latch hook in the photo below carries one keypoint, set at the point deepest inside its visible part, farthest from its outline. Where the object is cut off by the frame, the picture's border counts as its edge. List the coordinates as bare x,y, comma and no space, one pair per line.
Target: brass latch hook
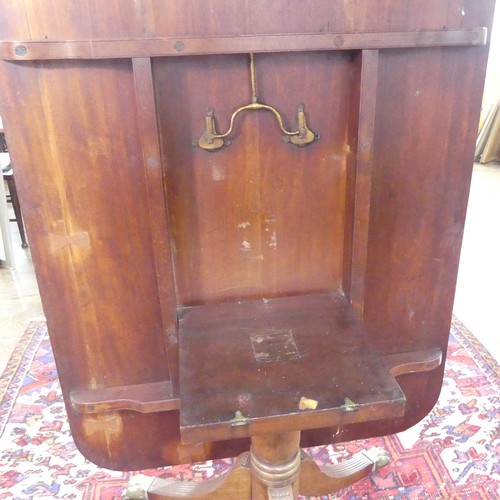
211,140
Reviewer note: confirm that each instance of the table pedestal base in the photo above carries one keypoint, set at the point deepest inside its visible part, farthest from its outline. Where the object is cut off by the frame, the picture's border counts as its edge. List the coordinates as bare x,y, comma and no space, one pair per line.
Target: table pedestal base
274,469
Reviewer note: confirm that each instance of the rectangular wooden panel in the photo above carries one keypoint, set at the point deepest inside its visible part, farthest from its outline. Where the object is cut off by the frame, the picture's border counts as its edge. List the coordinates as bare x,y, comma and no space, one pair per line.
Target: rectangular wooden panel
423,157
84,235
420,186
289,363
84,199
245,220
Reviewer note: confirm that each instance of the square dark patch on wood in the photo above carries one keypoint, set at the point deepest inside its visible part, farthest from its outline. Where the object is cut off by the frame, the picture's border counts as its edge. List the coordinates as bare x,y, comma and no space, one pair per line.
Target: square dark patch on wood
274,346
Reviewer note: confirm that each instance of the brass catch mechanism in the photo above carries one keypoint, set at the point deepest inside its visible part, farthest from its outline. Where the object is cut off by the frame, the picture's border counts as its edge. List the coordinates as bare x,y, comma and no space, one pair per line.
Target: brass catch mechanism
349,405
211,140
238,420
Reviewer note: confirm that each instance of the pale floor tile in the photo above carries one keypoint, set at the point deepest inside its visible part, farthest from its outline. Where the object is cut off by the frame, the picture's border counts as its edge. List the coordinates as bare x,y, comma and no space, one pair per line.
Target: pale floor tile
19,299
478,289
477,300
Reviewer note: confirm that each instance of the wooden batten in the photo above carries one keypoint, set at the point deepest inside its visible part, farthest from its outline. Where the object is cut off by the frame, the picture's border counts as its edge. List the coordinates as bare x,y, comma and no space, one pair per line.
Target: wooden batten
154,47
363,177
160,233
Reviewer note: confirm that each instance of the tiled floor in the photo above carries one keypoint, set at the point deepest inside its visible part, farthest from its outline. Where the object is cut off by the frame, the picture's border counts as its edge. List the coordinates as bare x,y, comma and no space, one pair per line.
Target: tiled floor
477,299
478,290
19,299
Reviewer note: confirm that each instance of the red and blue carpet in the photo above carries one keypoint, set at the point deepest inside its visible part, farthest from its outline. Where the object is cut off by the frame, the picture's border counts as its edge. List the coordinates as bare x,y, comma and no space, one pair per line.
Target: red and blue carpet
453,453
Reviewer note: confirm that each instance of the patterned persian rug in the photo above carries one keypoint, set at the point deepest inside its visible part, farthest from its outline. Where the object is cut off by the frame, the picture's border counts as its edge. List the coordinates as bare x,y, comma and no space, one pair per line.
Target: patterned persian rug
453,453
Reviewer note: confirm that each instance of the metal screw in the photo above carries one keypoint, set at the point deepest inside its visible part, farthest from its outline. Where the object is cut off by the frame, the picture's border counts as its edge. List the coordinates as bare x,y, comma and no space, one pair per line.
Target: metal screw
338,41
21,50
179,46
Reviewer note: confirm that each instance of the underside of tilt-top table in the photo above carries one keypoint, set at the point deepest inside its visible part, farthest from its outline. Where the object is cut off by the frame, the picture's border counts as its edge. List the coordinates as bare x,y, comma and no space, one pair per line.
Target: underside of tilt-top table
245,220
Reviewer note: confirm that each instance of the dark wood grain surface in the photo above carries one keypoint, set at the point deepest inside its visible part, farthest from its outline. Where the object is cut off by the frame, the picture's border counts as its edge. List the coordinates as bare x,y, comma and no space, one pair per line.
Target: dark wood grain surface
77,20
245,219
86,211
263,357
